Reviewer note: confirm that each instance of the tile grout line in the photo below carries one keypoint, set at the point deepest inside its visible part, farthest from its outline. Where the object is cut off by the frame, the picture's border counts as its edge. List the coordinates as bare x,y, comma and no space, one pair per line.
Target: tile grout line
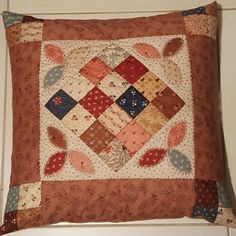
3,132
106,12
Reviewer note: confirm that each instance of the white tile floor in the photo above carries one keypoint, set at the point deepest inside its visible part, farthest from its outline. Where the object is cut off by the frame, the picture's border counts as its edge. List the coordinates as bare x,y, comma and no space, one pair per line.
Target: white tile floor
124,8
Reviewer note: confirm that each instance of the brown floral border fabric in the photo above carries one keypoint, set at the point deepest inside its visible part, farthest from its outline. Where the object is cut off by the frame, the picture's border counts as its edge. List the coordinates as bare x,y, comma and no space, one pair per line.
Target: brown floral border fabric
126,112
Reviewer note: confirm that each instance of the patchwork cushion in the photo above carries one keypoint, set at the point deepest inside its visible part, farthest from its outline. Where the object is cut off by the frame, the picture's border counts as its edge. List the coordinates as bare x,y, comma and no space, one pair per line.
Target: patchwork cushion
115,125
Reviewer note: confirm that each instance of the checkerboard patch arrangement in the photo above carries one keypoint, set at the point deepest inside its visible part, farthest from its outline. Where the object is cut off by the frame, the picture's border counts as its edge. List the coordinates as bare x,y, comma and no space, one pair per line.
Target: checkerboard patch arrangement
115,125
123,104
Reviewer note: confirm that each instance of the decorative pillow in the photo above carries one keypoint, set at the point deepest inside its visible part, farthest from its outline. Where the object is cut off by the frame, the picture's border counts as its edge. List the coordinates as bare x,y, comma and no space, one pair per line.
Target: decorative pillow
115,120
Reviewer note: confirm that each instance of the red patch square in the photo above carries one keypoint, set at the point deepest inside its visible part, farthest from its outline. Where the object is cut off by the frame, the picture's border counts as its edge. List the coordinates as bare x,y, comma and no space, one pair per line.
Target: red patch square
131,69
10,223
96,102
168,102
206,193
95,70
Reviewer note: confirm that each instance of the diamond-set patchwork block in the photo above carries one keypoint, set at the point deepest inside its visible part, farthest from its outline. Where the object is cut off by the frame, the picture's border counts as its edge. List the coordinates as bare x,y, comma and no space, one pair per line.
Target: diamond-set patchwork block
133,136
97,137
95,70
78,120
132,101
96,102
114,119
131,69
60,104
168,102
114,103
113,55
113,85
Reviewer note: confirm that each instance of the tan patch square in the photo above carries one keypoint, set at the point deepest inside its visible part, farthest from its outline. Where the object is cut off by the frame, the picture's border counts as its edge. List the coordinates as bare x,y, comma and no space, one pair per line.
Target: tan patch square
29,196
114,119
78,119
149,85
32,31
151,119
78,87
113,85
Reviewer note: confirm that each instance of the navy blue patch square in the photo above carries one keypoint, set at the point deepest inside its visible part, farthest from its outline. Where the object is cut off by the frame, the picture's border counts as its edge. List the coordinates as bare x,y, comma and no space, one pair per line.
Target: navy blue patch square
60,104
132,101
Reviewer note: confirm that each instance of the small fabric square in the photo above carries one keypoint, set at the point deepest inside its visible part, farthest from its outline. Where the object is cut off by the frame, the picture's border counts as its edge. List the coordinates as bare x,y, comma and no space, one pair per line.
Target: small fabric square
97,137
29,218
151,119
150,85
12,199
194,11
114,119
201,25
208,213
29,196
131,69
113,85
60,104
206,194
96,102
95,70
133,136
168,102
115,155
10,18
32,31
31,19
10,222
13,34
113,55
78,87
223,196
132,101
78,119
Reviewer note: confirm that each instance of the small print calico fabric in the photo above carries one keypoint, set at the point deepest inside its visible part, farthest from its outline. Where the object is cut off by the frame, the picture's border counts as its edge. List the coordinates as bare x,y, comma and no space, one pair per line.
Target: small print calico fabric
115,125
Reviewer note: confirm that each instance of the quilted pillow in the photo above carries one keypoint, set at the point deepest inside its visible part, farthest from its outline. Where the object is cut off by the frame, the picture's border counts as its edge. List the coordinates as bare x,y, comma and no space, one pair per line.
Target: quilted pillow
115,120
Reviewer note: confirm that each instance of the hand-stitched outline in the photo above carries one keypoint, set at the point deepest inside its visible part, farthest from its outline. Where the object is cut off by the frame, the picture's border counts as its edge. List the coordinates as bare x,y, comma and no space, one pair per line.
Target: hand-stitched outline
171,48
154,156
59,140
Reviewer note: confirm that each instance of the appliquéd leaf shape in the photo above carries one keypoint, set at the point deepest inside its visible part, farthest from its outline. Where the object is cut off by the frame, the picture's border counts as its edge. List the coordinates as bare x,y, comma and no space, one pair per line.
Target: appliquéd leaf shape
172,47
176,134
171,70
77,57
53,75
55,163
80,162
179,160
54,53
146,50
56,137
152,157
